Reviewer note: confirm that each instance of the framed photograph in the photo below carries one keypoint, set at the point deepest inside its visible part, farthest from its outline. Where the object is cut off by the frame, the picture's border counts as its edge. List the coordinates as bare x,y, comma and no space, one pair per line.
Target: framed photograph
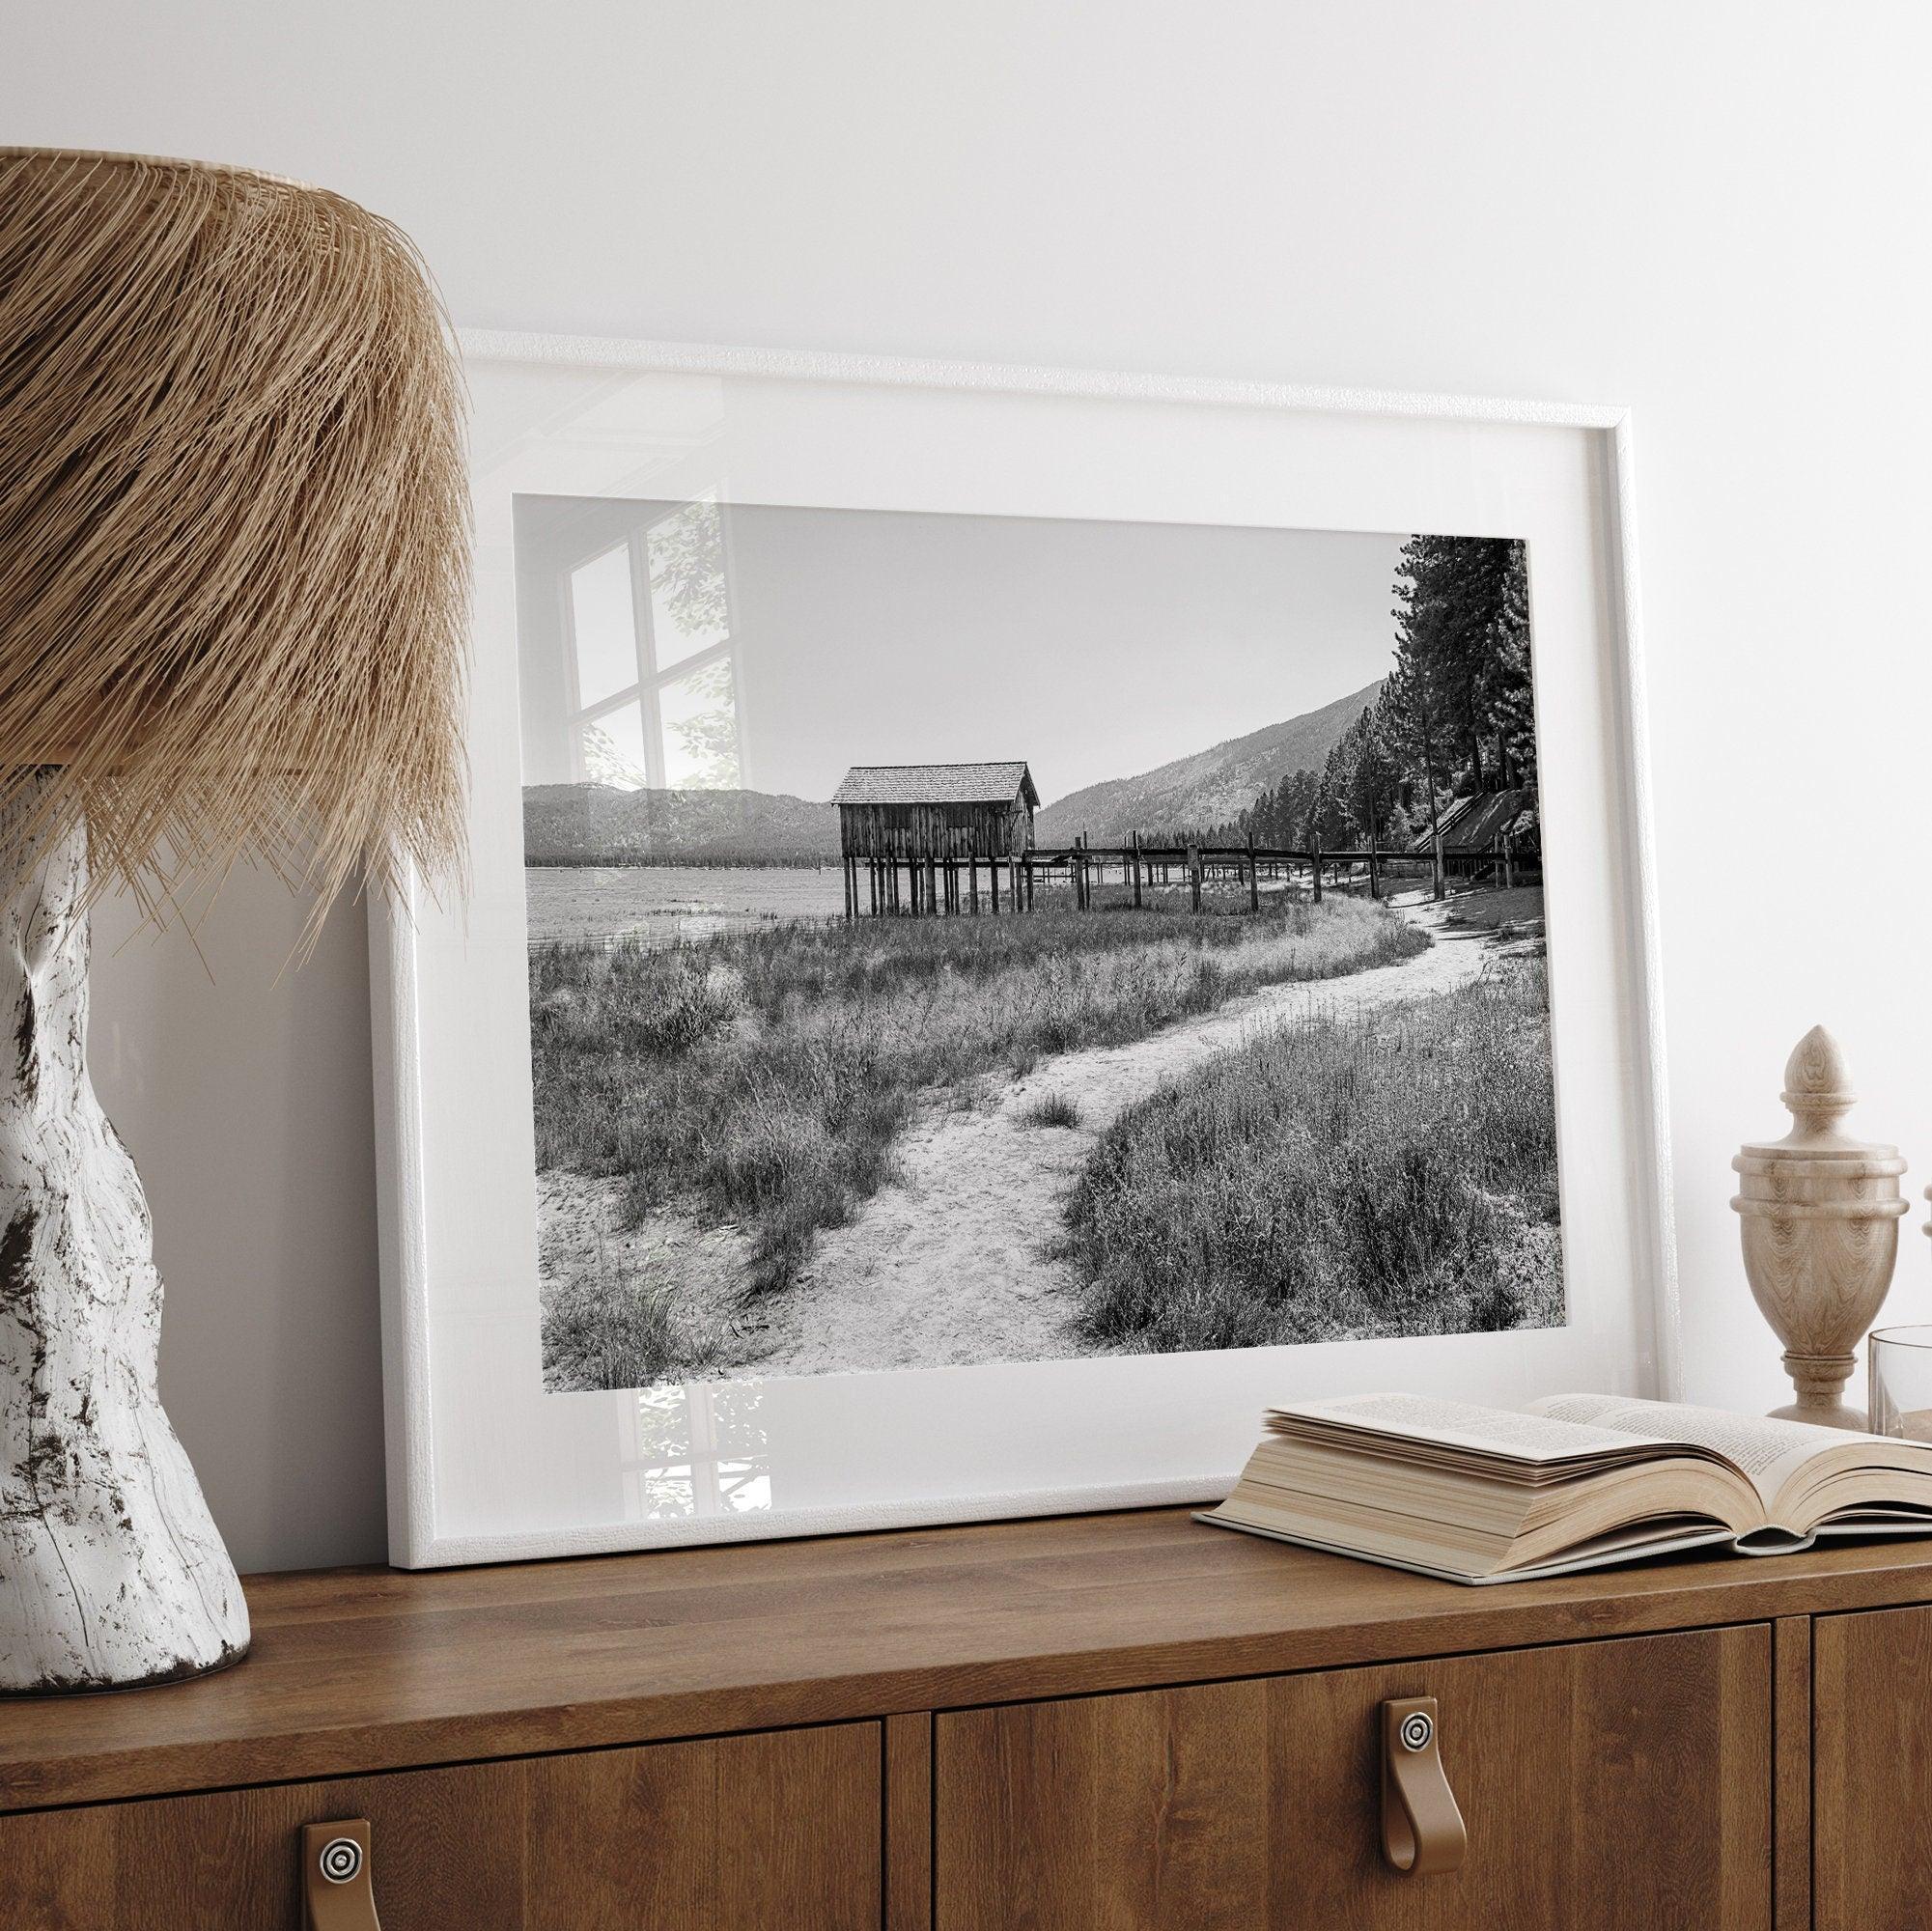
1017,918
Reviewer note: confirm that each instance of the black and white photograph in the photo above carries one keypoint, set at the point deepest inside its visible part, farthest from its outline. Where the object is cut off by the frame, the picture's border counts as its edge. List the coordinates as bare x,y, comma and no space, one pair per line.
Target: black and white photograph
960,939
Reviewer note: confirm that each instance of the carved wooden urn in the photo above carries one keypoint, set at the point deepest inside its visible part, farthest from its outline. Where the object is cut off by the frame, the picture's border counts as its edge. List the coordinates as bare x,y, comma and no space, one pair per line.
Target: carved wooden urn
1820,1214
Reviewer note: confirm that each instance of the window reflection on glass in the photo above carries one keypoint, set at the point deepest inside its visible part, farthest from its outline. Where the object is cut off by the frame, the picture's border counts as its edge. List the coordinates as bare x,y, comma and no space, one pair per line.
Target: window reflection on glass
604,626
689,606
656,699
613,748
697,1451
699,717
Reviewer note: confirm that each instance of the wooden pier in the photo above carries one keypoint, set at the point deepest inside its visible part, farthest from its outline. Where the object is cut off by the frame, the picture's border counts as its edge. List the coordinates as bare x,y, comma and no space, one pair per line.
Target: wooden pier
930,841
950,887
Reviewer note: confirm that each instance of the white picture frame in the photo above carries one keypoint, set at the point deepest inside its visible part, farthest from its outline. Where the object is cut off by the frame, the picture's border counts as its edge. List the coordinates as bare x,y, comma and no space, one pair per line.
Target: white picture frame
482,1465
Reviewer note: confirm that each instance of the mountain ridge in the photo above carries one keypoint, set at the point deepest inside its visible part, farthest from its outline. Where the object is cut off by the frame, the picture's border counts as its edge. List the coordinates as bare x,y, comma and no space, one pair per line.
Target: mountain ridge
1206,787
591,824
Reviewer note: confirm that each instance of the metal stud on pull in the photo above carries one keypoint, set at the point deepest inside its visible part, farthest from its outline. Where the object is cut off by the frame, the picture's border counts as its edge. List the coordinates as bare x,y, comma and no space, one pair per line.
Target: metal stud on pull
336,1891
341,1860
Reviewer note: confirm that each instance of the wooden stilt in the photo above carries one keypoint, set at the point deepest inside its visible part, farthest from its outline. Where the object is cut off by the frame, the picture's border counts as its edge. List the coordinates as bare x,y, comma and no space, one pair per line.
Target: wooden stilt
1137,871
1253,878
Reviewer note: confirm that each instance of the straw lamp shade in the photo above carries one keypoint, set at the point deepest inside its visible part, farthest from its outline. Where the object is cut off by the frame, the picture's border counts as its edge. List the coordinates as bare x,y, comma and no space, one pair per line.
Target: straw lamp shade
232,605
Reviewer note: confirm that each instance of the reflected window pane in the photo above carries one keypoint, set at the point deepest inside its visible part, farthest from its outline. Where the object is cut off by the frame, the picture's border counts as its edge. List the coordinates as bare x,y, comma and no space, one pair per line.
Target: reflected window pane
612,748
603,623
700,718
689,608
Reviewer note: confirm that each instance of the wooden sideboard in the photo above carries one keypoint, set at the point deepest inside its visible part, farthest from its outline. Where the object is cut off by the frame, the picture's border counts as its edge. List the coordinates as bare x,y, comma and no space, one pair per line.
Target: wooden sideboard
1113,1720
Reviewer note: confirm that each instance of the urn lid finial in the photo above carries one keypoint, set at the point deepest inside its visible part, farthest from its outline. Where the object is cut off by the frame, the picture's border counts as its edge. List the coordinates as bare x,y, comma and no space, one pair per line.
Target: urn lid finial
1817,1084
1818,1091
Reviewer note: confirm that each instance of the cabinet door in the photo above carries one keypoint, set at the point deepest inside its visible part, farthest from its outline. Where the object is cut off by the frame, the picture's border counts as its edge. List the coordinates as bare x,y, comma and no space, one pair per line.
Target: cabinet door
743,1833
1619,1784
1871,1776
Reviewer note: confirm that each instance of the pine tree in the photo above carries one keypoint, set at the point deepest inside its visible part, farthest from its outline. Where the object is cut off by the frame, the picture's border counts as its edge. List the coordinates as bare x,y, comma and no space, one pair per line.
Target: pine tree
1461,690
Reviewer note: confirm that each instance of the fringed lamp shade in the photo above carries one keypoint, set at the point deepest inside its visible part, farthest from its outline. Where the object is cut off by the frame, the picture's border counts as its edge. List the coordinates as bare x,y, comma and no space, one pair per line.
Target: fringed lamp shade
233,520
233,579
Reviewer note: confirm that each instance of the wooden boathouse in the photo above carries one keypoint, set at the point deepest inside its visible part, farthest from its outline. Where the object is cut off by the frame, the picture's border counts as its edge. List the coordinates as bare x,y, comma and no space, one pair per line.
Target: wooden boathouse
1493,834
932,828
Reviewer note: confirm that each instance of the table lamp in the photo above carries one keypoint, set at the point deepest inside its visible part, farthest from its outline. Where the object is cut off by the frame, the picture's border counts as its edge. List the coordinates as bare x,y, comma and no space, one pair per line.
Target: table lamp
234,576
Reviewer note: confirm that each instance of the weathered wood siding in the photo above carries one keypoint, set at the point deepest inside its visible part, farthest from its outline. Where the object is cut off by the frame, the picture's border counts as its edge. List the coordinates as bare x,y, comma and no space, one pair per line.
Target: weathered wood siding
909,832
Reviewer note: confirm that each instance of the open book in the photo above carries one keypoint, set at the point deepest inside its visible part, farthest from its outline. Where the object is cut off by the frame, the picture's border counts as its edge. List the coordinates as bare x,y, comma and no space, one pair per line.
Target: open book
1487,1495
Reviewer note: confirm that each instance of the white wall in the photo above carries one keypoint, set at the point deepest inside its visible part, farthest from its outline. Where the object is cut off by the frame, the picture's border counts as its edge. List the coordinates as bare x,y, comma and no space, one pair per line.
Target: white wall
1714,212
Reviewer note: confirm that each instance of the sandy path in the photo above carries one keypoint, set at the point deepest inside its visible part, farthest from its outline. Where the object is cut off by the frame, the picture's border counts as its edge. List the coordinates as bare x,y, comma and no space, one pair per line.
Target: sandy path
946,1268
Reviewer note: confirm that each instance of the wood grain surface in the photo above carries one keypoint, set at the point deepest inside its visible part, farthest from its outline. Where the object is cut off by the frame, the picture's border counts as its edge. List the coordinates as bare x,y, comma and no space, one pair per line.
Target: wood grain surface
1791,1771
1872,1771
745,1834
909,1822
358,1671
1616,1784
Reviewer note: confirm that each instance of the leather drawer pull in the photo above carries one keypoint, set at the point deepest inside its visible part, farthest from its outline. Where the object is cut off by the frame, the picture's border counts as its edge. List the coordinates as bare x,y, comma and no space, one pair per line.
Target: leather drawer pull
336,1890
1422,1829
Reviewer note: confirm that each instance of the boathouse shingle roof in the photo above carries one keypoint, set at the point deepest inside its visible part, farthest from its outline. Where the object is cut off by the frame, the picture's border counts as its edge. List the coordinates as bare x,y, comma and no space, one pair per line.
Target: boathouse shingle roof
937,784
1476,824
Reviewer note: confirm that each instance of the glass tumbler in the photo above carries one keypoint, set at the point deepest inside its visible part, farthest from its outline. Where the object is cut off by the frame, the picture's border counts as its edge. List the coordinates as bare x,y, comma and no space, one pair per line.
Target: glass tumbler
1900,1362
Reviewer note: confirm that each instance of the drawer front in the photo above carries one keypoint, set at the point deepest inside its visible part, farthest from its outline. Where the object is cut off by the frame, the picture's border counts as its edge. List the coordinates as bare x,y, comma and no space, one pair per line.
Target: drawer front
1871,1789
771,1831
1620,1785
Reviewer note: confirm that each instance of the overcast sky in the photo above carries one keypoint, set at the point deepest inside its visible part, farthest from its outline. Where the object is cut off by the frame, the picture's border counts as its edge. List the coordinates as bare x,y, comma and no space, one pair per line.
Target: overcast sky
1093,650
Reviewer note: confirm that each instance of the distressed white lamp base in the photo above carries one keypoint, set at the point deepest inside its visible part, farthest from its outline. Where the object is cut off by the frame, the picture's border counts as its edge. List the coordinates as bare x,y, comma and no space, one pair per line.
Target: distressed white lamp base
111,1570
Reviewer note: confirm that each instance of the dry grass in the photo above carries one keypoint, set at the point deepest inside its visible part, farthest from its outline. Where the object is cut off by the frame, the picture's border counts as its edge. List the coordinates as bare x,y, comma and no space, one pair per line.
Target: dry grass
763,1077
233,566
1388,1173
607,1330
1051,1109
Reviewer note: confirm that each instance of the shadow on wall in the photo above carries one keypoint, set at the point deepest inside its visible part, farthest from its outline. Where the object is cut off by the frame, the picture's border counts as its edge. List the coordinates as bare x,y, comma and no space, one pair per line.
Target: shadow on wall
245,1099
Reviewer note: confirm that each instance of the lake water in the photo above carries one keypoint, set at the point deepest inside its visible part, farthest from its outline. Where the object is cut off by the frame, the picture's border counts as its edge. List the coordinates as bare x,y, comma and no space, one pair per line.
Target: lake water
671,905
674,904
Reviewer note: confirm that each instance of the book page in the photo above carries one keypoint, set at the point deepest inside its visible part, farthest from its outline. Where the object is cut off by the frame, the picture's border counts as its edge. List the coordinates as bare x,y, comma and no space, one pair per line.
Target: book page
1597,1554
1495,1431
1765,1452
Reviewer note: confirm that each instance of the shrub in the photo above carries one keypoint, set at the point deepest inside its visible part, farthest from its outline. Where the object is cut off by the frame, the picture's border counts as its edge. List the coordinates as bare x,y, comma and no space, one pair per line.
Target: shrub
1051,1109
1382,1173
602,1330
